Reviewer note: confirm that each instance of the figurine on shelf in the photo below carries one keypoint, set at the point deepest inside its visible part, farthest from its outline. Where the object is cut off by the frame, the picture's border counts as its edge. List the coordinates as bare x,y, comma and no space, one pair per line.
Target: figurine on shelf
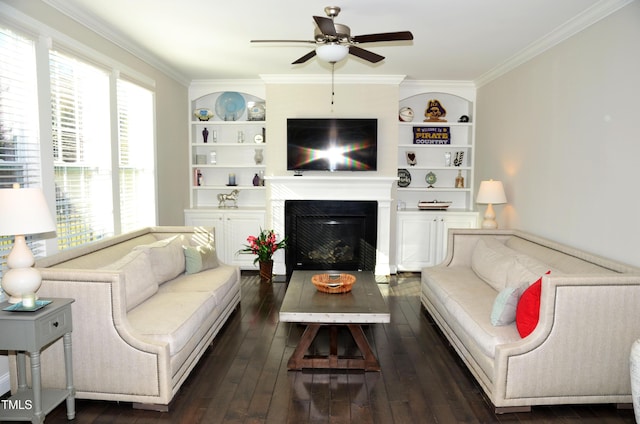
223,197
412,160
435,112
258,157
205,134
459,159
459,180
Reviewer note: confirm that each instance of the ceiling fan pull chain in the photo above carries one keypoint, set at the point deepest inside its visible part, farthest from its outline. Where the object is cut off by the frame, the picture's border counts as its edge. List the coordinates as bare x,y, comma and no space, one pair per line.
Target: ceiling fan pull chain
333,92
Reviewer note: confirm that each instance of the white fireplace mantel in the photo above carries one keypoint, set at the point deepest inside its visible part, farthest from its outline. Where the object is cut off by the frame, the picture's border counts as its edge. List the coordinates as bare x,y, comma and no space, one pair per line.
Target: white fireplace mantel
335,187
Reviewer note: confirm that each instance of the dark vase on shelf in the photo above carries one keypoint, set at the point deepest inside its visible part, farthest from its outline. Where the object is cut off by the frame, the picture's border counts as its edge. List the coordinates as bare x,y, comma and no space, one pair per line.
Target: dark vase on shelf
205,134
266,271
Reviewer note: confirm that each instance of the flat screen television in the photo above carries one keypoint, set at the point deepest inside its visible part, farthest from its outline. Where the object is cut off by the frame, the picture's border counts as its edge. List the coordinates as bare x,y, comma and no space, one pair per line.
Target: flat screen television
332,144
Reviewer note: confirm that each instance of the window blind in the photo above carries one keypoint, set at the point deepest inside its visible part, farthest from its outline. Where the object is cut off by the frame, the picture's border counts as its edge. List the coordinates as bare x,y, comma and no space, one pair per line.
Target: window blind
136,156
81,150
19,142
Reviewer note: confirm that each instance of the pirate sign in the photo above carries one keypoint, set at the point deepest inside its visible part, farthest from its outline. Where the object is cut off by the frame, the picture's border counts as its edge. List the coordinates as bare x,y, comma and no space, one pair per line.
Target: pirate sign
435,112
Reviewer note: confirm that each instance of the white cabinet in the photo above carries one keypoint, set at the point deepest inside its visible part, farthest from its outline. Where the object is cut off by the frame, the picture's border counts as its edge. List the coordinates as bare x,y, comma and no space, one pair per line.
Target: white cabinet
422,236
232,227
431,158
226,155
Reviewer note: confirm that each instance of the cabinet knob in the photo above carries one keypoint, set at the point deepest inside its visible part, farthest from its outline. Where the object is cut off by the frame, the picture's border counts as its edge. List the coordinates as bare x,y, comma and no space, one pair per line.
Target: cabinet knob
55,324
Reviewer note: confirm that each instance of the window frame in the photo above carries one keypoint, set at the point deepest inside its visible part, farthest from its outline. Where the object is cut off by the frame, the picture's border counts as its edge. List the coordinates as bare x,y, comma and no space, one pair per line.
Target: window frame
47,38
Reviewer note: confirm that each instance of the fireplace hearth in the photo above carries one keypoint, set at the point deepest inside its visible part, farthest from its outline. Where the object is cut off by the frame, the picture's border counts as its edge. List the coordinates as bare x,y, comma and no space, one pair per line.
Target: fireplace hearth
330,235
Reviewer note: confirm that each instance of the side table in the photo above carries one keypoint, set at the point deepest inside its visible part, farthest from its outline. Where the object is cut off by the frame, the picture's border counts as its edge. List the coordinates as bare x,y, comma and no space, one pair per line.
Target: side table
30,332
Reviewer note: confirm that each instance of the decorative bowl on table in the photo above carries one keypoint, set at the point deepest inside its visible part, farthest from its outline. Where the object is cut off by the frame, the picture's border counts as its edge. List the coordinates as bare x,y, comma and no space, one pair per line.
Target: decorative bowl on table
333,283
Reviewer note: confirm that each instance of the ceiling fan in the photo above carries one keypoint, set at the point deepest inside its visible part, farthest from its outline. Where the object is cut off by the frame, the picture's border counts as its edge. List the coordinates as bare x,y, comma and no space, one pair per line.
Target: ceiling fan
334,41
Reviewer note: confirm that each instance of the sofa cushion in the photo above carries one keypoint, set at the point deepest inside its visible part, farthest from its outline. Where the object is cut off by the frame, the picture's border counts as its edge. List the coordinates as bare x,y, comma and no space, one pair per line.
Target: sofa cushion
526,269
200,258
172,318
443,282
505,305
219,281
491,260
167,259
139,281
466,300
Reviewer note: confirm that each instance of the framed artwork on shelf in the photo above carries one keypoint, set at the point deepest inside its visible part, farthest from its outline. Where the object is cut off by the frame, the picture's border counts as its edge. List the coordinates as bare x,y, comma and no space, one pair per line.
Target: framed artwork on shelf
431,135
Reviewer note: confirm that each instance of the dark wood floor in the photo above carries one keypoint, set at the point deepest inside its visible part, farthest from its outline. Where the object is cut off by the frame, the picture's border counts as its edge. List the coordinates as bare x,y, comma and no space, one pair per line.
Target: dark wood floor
243,377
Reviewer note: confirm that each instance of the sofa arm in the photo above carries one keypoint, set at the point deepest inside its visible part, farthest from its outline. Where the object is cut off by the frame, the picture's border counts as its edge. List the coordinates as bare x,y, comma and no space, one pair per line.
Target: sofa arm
580,346
101,330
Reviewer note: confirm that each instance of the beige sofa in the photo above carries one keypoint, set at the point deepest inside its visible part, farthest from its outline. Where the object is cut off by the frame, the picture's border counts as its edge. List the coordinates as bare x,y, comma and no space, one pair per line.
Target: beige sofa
141,322
589,315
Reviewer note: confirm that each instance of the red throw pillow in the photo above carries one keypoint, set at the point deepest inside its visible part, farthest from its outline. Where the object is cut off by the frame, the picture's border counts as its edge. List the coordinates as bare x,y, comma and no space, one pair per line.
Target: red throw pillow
528,310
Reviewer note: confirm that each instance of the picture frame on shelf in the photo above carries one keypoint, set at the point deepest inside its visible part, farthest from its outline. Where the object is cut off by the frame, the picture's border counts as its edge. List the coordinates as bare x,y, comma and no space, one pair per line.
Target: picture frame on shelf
404,178
256,111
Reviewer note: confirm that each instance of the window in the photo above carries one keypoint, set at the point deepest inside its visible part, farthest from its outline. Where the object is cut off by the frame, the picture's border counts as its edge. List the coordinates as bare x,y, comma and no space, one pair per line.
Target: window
19,142
98,153
81,150
136,158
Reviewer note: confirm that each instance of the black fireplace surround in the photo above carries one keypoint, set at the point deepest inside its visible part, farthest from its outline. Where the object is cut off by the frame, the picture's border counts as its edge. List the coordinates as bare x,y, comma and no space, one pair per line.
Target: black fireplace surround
330,235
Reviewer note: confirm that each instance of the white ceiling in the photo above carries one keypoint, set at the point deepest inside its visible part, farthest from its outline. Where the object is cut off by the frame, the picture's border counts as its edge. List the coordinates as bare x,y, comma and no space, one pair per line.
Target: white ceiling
453,39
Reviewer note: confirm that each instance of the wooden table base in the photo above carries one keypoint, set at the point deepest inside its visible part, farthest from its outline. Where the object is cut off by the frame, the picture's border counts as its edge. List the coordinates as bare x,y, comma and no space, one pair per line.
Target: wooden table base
300,360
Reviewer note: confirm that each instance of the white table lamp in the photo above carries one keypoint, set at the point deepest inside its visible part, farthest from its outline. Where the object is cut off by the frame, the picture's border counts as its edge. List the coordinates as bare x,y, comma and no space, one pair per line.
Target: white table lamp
491,193
22,211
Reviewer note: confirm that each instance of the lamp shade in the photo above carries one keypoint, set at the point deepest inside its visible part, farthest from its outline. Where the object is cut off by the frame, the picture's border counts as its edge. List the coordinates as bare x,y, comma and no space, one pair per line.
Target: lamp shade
24,211
332,52
491,192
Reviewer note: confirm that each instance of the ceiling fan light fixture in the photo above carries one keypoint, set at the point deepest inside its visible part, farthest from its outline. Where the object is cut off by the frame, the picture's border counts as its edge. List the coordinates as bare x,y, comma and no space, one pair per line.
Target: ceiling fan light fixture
332,52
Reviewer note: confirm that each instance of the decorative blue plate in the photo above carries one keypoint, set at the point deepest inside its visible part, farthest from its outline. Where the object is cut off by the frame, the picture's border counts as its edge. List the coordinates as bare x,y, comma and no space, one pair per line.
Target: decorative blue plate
19,307
230,106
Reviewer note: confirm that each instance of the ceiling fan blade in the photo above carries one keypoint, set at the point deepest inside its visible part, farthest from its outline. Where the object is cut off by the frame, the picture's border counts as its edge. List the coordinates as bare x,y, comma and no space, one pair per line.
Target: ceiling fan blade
326,25
304,58
384,36
365,54
284,41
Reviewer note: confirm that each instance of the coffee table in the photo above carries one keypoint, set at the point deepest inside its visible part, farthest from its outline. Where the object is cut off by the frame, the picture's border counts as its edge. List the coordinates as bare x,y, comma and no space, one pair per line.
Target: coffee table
304,304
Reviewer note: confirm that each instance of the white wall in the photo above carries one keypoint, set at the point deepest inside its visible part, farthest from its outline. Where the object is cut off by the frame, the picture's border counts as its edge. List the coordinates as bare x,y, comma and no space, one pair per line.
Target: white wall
351,100
563,133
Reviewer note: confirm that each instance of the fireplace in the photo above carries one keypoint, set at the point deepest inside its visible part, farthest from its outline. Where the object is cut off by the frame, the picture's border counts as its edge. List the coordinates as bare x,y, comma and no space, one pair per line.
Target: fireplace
337,235
343,187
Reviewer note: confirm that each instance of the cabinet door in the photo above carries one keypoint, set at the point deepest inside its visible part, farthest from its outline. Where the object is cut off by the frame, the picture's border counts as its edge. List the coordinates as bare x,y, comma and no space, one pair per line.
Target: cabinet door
210,221
453,221
239,227
416,241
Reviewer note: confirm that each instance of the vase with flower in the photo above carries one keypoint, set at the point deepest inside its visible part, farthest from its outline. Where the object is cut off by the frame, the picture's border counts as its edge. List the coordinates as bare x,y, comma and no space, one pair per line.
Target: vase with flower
264,245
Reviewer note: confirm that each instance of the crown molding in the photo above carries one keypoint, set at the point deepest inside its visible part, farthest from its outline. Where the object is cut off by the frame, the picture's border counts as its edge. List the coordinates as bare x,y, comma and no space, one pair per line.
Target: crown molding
595,13
118,39
337,79
58,40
